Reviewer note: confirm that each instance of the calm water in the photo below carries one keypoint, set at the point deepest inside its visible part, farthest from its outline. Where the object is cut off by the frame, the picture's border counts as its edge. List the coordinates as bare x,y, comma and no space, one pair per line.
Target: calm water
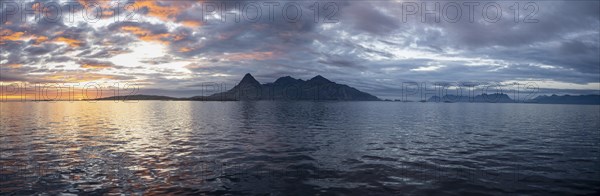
158,147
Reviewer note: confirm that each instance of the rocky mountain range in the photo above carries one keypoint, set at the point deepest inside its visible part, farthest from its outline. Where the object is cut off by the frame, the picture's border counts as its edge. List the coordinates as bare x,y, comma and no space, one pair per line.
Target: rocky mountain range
567,99
504,98
288,88
320,88
488,98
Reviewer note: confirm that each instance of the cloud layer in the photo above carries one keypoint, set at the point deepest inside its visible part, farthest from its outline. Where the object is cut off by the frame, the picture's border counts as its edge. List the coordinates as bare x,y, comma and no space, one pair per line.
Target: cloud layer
175,46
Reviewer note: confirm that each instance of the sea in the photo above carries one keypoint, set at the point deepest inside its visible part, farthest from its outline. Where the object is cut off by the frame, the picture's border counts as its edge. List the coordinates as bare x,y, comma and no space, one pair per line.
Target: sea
298,148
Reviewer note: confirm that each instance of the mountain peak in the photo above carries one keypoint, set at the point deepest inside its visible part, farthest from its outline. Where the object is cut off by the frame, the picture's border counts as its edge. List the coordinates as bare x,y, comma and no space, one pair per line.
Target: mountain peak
249,79
319,79
288,88
286,80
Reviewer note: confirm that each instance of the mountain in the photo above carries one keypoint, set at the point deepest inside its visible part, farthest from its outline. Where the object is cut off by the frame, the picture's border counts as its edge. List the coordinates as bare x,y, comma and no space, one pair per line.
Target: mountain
138,97
247,89
288,88
567,99
503,98
483,98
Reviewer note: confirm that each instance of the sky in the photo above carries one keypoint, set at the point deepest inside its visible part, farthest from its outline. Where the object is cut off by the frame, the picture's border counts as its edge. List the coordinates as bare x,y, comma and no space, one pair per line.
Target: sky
177,48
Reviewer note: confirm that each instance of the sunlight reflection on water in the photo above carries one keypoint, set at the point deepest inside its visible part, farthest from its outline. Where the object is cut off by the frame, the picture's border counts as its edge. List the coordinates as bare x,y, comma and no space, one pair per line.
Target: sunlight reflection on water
158,147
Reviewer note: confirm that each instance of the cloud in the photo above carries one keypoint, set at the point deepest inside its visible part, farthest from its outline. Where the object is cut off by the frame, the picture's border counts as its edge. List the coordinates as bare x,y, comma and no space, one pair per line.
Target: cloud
368,17
71,42
8,35
164,10
370,46
144,31
40,50
95,64
241,56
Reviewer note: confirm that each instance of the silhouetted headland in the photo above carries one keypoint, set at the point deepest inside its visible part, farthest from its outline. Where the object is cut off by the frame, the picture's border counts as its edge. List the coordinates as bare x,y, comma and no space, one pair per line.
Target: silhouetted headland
142,97
288,88
320,88
504,98
284,88
568,99
490,98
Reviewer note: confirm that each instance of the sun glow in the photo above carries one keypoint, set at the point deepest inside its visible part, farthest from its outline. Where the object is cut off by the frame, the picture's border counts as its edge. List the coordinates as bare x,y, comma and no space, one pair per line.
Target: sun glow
140,51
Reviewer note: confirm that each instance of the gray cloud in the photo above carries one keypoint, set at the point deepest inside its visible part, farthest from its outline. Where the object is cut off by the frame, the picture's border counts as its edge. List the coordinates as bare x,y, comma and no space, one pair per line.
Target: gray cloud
369,47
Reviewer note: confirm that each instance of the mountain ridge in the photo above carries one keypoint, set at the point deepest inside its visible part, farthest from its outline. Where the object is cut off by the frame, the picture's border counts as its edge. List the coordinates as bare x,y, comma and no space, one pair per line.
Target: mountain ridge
321,88
490,98
289,88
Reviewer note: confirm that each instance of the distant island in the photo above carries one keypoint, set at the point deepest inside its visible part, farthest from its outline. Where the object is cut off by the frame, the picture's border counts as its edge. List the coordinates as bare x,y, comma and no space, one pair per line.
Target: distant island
568,99
141,97
320,88
284,88
490,98
504,98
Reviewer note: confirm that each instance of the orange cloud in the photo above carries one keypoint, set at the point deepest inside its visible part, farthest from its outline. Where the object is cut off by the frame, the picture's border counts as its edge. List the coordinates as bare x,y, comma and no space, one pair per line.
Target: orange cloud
20,36
145,34
95,66
250,56
36,6
193,66
191,23
71,42
10,36
107,13
106,6
40,39
185,49
13,65
180,36
166,12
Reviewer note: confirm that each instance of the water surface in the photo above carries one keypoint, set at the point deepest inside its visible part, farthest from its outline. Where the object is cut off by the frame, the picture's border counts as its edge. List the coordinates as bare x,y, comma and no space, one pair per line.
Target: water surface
181,147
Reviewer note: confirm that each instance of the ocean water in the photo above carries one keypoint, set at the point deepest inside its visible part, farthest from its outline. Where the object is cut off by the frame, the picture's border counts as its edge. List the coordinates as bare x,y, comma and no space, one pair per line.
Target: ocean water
303,148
